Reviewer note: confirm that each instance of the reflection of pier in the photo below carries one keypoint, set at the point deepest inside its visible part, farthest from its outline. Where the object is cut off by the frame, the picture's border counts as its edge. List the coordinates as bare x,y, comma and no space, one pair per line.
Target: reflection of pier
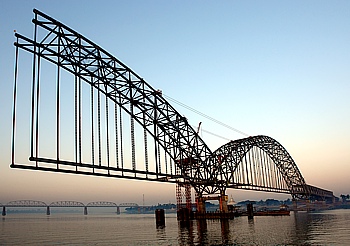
196,232
71,204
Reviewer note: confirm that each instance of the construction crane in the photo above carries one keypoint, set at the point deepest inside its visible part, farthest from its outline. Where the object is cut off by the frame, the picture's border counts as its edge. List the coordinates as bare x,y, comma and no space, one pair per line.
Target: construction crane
199,126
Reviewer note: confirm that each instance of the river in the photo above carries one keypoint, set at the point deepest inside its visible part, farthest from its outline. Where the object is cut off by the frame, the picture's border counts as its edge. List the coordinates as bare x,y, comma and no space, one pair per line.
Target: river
329,227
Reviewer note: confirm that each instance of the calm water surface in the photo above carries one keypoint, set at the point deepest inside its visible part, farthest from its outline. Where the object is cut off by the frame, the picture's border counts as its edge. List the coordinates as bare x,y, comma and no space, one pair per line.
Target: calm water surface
330,227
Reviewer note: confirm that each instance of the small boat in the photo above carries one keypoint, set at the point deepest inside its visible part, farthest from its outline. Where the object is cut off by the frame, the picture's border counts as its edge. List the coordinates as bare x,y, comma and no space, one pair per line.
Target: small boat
271,213
282,211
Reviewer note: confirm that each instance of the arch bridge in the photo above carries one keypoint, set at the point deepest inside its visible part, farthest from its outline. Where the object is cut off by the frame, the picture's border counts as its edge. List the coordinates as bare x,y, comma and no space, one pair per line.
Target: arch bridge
124,128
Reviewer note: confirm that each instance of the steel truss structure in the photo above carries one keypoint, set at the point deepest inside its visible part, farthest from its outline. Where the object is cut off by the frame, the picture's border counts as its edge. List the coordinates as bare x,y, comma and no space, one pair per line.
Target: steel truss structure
33,203
126,129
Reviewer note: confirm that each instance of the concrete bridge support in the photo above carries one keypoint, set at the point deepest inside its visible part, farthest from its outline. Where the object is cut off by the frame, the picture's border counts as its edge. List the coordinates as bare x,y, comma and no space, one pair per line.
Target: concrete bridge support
250,211
85,210
3,211
223,203
200,201
200,204
48,210
295,205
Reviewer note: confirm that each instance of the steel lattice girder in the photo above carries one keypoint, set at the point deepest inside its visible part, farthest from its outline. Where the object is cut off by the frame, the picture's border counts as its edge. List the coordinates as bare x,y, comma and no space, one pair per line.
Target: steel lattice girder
206,171
26,203
232,154
78,55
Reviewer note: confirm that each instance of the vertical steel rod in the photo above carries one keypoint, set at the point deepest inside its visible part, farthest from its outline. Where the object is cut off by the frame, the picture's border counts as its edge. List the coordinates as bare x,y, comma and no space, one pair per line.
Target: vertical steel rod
159,161
246,174
146,144
76,118
132,135
99,124
251,162
33,91
80,116
269,172
14,107
263,168
121,136
132,125
37,108
155,150
92,125
58,104
155,136
116,134
259,173
107,132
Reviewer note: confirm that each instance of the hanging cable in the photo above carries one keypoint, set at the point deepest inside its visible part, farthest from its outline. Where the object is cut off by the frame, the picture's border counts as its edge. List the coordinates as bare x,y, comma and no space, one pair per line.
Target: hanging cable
204,115
211,133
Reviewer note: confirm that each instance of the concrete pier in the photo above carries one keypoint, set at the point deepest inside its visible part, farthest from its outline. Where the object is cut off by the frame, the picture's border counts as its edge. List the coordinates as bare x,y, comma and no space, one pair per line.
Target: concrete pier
250,211
223,203
183,214
160,217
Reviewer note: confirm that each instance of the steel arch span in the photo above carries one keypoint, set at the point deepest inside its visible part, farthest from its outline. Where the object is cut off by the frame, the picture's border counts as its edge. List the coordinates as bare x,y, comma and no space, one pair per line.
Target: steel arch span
124,128
259,163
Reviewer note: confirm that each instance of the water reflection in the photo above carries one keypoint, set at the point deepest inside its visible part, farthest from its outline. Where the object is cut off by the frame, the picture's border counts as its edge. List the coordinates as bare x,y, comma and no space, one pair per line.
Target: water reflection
186,236
300,228
196,232
225,231
161,233
202,230
251,225
301,225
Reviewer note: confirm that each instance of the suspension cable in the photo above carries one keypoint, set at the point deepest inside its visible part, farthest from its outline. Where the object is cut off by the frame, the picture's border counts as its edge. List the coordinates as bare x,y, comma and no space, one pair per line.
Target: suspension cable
213,134
205,116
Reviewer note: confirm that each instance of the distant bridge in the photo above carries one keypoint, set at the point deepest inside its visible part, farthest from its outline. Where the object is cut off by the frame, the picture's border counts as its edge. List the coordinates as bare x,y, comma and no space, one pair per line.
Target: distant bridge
38,204
129,130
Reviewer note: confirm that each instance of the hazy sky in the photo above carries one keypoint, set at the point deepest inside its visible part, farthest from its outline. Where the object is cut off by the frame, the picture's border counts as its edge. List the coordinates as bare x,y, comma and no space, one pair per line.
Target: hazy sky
276,68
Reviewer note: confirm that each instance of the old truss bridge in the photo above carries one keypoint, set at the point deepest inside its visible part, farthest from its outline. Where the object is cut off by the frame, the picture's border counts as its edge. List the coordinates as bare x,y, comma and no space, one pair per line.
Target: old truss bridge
62,204
90,114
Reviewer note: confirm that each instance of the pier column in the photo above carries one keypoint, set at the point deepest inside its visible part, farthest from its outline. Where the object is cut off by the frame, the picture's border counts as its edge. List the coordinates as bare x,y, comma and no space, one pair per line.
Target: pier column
200,204
295,205
3,211
183,214
308,205
160,218
250,211
223,203
85,211
118,210
48,210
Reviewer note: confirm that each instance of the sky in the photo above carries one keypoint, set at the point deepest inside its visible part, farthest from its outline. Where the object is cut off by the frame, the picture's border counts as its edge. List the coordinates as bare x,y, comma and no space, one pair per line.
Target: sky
275,68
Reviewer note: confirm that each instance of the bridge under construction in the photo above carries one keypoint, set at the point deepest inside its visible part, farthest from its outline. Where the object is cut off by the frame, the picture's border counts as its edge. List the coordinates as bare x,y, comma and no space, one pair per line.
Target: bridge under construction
90,114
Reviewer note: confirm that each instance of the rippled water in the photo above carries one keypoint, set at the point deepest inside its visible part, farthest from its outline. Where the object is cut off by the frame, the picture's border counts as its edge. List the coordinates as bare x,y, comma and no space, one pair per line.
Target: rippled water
330,227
